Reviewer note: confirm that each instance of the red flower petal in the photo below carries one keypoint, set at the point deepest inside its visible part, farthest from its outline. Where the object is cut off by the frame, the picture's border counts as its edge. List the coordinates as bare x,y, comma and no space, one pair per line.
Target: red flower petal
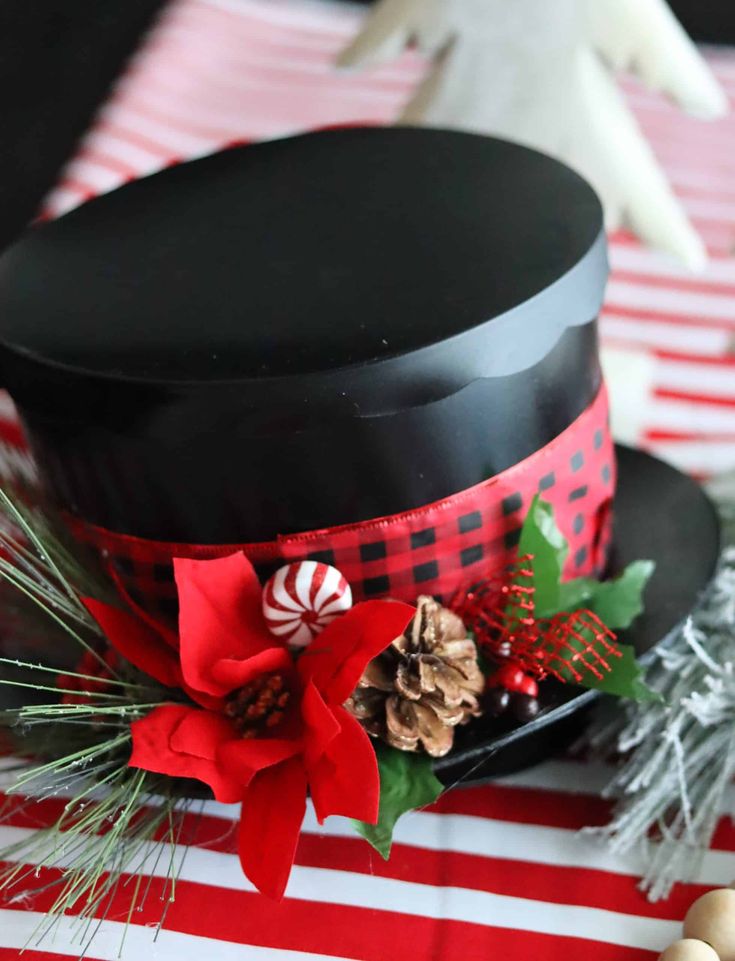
320,725
269,829
232,674
220,618
338,656
181,741
137,642
345,779
169,636
200,733
244,758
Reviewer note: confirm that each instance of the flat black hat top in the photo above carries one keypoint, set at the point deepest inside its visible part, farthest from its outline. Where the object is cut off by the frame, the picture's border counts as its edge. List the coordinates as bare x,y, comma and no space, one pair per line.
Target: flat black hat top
295,256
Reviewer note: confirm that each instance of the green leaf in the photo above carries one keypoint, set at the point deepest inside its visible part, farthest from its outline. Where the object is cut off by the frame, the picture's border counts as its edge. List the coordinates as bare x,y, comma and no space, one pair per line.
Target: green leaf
407,781
617,602
625,679
541,538
574,595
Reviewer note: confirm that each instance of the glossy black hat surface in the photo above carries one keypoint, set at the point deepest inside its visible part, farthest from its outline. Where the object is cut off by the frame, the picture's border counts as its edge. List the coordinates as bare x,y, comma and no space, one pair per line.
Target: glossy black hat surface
305,255
226,350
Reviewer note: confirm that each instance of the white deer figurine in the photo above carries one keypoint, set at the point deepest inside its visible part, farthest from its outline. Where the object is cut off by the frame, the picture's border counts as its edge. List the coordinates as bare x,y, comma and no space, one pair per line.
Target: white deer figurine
541,72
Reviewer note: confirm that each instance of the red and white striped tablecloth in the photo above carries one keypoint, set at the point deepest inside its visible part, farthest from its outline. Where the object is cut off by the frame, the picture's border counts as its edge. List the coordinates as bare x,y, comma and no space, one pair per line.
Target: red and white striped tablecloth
492,872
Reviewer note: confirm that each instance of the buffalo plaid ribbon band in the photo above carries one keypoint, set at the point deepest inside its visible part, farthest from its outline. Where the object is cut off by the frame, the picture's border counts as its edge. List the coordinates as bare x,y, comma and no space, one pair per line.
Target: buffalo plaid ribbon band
433,549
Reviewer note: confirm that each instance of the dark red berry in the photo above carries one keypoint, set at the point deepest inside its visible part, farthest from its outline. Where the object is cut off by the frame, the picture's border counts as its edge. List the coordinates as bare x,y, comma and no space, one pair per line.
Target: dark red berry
528,687
497,700
524,707
509,676
513,678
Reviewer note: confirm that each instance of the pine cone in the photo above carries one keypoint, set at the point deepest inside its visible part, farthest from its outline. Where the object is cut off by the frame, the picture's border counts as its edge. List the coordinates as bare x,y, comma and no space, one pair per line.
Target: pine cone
420,688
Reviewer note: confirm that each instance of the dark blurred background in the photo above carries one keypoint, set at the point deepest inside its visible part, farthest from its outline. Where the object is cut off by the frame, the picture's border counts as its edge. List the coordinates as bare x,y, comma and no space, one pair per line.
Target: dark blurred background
57,61
59,57
712,21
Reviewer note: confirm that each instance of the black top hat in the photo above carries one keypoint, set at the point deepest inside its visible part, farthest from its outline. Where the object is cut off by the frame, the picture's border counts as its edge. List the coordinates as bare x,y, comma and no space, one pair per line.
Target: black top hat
307,341
246,338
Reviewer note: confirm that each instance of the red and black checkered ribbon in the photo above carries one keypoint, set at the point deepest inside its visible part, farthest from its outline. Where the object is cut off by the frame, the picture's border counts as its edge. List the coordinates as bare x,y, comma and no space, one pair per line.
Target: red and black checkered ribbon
433,549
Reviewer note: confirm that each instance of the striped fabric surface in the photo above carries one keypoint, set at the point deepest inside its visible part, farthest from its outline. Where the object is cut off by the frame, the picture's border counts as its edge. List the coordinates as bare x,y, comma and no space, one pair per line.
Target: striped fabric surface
493,872
498,871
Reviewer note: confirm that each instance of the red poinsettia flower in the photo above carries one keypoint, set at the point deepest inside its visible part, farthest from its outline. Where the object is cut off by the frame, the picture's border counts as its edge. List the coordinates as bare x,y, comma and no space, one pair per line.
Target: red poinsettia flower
263,727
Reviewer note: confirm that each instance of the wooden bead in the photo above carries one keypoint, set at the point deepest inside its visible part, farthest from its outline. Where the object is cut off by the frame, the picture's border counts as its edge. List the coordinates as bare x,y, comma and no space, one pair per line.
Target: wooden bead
689,950
712,919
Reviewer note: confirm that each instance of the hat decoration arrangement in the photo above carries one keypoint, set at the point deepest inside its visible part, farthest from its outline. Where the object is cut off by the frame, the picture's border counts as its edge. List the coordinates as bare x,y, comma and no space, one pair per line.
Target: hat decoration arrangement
266,695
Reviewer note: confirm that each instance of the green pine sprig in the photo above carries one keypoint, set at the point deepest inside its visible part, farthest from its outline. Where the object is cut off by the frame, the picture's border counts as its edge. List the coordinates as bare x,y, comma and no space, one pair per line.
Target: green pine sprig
117,822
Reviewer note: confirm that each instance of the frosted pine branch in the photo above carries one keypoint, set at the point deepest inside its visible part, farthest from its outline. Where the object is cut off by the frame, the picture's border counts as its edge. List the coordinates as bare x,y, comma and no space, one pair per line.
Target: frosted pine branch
673,786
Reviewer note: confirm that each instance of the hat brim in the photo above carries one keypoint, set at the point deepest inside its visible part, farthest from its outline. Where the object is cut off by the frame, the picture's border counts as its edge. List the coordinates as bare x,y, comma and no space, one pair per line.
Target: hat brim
661,515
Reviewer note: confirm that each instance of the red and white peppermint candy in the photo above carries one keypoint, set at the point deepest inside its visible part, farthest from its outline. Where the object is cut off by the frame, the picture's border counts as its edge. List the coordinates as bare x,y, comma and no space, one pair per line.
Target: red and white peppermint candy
302,598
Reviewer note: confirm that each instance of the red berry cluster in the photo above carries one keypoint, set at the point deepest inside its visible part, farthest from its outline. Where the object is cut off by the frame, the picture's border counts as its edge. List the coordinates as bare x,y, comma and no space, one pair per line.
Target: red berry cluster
510,689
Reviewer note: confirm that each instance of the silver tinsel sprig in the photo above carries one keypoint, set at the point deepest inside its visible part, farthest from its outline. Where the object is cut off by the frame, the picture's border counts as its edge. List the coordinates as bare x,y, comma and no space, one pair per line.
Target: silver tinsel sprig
672,787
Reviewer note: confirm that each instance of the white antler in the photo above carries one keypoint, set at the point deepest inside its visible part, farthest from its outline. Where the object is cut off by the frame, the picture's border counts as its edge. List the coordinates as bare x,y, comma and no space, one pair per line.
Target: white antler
645,37
538,72
393,25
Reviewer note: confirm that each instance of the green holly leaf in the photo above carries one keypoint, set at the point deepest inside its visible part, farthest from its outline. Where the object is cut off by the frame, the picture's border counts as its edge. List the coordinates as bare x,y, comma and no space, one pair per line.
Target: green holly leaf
625,679
541,538
573,596
407,782
616,602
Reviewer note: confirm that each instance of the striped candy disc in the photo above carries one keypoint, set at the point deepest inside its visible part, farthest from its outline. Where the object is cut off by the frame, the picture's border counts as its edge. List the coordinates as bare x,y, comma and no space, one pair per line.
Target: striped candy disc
301,599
